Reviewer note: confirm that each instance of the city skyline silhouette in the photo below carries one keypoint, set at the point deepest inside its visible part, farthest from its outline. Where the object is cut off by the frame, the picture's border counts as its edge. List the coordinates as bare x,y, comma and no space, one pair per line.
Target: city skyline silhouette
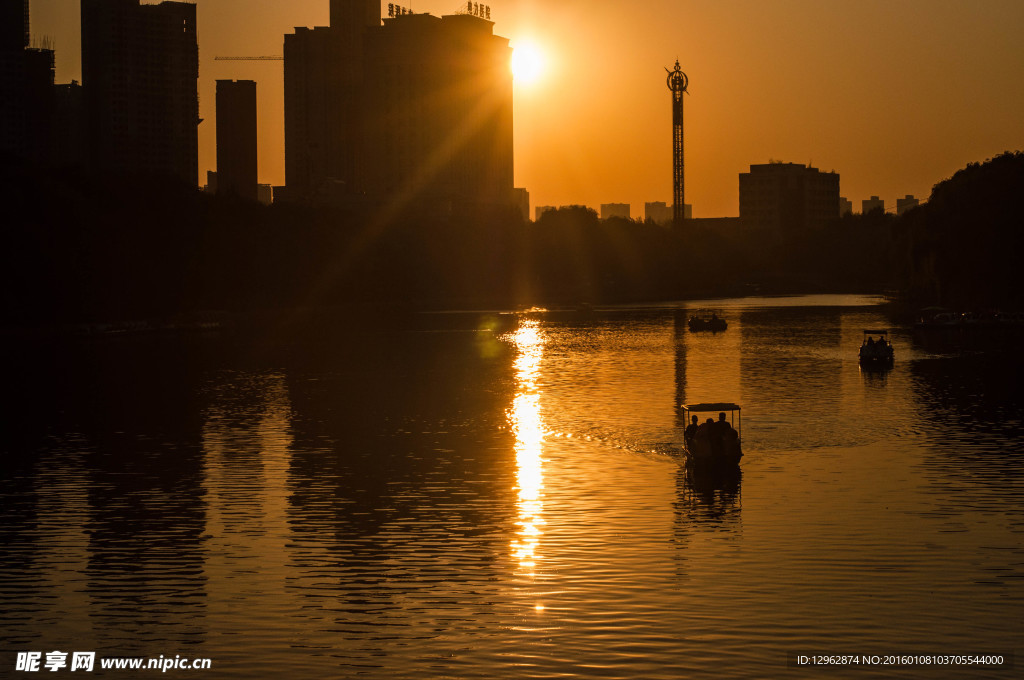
892,98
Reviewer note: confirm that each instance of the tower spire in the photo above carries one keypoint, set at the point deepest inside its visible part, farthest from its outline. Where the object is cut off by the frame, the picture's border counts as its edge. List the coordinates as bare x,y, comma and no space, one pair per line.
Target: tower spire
677,83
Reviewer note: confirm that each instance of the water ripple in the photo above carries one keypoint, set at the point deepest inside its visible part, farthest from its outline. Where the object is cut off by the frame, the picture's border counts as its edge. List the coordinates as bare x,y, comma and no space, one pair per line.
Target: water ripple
478,505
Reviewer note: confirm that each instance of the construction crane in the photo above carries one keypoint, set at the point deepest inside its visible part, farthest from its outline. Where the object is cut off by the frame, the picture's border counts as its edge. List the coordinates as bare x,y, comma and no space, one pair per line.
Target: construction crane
270,58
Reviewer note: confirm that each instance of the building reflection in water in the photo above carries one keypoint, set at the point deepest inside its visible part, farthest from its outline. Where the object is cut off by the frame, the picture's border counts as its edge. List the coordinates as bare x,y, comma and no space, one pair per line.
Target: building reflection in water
525,419
247,444
142,513
679,330
706,366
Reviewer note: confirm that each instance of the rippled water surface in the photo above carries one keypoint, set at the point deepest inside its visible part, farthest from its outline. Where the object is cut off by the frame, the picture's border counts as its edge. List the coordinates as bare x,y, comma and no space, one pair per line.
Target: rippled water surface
492,495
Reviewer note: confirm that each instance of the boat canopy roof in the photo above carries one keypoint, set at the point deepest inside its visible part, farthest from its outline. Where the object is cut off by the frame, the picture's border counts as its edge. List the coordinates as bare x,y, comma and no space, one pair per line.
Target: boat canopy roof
868,331
720,406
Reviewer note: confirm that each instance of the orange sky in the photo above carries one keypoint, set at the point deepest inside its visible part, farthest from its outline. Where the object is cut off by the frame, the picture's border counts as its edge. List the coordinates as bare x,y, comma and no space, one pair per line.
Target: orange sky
894,95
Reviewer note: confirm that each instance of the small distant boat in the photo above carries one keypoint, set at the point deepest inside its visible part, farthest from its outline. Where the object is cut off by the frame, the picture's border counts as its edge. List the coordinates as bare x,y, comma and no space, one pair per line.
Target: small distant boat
876,353
713,447
937,318
584,309
707,323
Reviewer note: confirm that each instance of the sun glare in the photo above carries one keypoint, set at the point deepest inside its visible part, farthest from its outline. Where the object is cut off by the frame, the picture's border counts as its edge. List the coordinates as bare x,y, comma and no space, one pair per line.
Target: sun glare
527,63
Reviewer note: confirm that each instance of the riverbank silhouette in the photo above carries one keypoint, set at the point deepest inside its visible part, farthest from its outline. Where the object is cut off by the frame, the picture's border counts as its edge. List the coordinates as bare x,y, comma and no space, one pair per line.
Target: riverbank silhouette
84,248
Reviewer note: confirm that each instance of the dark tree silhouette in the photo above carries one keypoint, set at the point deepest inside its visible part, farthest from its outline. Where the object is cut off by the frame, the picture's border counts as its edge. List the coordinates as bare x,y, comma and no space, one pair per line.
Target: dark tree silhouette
86,248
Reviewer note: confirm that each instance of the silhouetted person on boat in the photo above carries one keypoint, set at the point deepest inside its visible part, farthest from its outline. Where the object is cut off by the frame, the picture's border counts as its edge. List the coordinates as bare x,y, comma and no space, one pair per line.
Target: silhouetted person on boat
722,427
871,342
690,432
715,435
728,438
705,432
723,430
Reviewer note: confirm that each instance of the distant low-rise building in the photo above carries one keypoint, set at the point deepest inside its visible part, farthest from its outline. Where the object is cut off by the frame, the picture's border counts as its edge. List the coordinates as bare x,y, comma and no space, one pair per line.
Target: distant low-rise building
661,213
657,212
522,200
265,193
845,206
906,203
610,210
788,196
541,209
873,203
723,226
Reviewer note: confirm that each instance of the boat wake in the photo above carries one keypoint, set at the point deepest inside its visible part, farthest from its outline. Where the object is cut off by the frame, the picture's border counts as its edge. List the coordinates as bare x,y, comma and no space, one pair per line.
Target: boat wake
663,449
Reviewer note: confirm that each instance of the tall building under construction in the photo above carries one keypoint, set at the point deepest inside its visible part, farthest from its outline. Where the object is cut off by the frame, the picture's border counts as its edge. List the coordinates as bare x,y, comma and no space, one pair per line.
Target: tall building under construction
413,110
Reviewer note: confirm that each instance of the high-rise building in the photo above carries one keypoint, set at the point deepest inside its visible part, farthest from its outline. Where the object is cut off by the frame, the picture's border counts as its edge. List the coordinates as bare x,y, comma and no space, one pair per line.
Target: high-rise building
440,111
414,110
609,210
26,87
873,203
140,67
26,103
14,25
788,196
236,138
68,143
324,102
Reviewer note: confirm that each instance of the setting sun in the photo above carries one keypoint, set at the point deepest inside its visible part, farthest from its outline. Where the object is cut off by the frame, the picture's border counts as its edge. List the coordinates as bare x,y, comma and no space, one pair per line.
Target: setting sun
527,63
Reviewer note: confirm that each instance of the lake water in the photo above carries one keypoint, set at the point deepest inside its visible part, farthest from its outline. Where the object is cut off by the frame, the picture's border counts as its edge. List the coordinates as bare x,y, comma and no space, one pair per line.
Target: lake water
492,495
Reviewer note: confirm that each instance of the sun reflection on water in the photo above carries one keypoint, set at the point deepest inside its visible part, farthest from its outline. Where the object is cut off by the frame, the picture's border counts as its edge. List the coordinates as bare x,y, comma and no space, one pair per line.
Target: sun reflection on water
525,419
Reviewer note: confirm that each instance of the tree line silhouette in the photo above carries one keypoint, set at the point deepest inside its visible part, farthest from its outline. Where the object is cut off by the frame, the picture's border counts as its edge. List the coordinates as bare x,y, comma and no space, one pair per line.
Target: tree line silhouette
85,248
